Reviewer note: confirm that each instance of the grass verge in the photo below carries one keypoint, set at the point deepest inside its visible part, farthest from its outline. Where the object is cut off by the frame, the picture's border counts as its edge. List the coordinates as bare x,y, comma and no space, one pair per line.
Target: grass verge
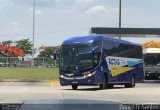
28,74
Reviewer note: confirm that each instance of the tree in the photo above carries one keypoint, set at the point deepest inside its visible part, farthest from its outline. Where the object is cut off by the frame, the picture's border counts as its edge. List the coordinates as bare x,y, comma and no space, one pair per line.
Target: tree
7,50
25,45
46,54
47,51
11,51
151,44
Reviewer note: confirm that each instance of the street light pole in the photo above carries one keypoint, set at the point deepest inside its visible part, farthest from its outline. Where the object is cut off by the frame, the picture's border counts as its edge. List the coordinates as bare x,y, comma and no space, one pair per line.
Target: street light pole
34,6
120,16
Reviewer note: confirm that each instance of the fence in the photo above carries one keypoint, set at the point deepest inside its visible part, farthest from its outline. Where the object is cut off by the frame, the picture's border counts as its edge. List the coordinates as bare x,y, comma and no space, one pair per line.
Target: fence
26,62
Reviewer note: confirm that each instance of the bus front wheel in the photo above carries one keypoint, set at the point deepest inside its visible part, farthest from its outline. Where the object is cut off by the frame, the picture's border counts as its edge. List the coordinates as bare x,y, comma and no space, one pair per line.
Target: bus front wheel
132,84
74,87
104,84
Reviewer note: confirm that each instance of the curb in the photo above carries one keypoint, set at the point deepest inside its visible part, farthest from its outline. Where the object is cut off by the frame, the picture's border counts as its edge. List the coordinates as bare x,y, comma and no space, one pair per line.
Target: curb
44,81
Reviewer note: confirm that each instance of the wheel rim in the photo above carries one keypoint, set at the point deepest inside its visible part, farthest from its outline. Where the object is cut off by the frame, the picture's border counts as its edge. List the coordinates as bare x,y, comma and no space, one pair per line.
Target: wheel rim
133,81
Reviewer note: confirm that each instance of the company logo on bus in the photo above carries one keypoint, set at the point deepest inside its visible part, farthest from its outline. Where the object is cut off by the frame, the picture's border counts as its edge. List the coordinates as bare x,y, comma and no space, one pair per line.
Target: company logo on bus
114,61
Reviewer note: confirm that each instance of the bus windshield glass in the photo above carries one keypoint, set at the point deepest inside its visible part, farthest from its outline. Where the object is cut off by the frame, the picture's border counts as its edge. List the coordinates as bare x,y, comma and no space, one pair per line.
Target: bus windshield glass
152,60
76,57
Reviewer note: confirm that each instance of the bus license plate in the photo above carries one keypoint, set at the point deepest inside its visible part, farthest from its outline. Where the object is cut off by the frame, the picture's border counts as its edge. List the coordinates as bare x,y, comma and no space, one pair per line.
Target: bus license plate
74,82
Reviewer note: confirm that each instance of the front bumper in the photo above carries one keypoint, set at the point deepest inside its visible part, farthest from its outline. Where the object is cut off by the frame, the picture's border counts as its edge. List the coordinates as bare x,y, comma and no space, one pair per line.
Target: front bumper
91,80
152,76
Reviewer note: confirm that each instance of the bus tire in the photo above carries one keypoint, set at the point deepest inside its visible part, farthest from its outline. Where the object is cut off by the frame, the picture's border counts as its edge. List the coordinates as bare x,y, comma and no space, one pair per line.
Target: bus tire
110,86
74,87
132,84
104,84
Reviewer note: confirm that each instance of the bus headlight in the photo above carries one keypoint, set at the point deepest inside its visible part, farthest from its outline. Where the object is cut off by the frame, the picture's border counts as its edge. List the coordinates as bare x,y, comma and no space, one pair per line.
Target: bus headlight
61,76
89,75
86,73
147,72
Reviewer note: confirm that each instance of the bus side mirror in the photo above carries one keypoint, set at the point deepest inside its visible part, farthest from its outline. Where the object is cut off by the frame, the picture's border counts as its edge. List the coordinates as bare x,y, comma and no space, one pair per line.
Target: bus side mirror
55,54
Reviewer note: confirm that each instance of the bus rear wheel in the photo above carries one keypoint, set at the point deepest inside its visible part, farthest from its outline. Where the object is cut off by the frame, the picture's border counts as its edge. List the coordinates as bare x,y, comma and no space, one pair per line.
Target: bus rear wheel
132,84
110,86
74,87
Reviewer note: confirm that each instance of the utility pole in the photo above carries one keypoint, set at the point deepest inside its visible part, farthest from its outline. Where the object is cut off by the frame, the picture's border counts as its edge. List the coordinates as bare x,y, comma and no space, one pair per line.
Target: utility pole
120,16
34,6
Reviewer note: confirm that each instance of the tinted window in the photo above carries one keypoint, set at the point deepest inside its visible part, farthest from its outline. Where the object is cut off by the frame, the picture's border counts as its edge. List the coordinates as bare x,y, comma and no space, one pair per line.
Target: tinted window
117,49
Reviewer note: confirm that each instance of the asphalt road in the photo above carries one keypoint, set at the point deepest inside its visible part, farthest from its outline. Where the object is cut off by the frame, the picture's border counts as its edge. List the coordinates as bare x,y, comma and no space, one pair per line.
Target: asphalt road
143,93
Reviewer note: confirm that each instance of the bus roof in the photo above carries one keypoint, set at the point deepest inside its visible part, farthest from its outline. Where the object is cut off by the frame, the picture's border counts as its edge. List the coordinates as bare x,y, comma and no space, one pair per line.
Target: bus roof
91,38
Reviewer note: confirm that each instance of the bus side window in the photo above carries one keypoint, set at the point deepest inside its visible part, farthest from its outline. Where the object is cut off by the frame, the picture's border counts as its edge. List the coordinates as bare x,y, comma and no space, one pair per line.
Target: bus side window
108,48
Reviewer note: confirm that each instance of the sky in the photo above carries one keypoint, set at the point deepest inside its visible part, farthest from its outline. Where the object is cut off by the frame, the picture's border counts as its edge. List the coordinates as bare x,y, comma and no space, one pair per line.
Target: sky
57,20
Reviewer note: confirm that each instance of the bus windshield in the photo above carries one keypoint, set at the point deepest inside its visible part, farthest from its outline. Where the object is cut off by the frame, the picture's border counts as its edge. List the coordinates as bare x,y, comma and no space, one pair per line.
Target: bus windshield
152,60
76,57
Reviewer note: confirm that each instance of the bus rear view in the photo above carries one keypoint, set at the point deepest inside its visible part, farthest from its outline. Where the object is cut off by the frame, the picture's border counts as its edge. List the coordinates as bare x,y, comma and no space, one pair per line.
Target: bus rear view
98,60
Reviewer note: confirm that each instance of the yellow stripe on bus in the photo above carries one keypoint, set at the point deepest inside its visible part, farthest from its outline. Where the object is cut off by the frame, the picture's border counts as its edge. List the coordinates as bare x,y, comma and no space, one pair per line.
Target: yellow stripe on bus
115,71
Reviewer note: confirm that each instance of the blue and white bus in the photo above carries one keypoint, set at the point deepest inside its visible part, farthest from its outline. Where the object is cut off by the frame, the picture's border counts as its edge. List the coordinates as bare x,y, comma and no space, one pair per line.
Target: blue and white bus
98,60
